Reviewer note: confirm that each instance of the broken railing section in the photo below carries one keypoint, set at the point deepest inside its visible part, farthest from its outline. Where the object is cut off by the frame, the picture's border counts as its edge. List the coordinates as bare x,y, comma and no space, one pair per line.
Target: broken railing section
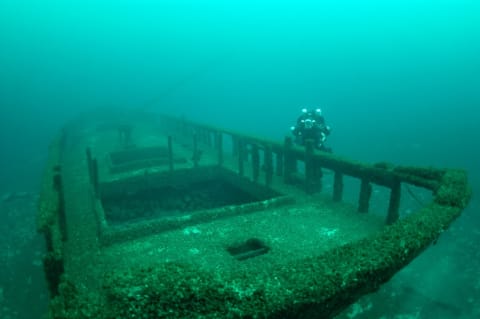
269,158
51,216
92,166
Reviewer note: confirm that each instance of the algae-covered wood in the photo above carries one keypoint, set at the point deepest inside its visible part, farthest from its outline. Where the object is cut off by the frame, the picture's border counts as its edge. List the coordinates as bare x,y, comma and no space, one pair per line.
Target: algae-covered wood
235,229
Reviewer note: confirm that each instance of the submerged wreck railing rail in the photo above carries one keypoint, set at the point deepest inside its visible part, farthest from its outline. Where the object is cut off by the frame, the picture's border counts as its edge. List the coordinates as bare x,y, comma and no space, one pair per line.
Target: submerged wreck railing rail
282,160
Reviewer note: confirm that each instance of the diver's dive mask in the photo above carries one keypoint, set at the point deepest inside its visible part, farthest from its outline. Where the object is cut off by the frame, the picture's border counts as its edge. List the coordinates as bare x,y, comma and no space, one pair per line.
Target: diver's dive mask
309,123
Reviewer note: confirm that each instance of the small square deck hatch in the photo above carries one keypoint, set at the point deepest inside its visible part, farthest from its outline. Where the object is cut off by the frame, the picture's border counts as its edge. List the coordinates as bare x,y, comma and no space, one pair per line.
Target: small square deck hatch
252,247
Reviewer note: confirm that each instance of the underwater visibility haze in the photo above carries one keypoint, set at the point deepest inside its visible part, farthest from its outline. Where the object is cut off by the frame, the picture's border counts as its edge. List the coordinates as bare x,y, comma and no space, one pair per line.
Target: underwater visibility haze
397,81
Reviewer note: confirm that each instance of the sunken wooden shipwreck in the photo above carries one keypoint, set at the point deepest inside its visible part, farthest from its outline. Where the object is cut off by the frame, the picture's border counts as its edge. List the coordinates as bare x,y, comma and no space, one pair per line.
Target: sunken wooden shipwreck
154,216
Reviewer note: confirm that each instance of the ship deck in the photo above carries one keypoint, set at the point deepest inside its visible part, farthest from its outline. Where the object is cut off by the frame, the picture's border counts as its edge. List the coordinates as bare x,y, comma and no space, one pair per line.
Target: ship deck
155,216
253,227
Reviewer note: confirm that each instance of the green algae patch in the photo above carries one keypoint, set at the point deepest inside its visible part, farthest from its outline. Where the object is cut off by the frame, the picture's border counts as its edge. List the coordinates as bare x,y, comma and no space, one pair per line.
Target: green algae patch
454,189
310,287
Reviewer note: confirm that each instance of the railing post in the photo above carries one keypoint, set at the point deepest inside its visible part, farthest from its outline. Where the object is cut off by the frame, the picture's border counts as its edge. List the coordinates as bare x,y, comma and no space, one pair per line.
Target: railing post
290,162
96,186
62,219
92,167
196,151
234,145
198,131
312,176
338,187
208,137
279,162
170,153
241,156
205,136
365,194
394,204
268,164
255,162
219,147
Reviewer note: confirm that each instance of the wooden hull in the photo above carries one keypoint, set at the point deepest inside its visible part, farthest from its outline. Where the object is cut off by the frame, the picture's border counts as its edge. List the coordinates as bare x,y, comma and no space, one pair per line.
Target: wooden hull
157,217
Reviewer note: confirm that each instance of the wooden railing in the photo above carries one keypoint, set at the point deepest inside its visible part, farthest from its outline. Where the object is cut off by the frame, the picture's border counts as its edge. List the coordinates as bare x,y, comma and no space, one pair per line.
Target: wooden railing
282,159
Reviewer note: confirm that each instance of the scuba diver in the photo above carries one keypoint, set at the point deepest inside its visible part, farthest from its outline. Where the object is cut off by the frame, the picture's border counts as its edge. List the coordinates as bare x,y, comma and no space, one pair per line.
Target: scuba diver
311,125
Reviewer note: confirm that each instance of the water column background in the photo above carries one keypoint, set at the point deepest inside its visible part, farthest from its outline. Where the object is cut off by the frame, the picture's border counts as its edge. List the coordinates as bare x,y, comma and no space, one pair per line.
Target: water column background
398,81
